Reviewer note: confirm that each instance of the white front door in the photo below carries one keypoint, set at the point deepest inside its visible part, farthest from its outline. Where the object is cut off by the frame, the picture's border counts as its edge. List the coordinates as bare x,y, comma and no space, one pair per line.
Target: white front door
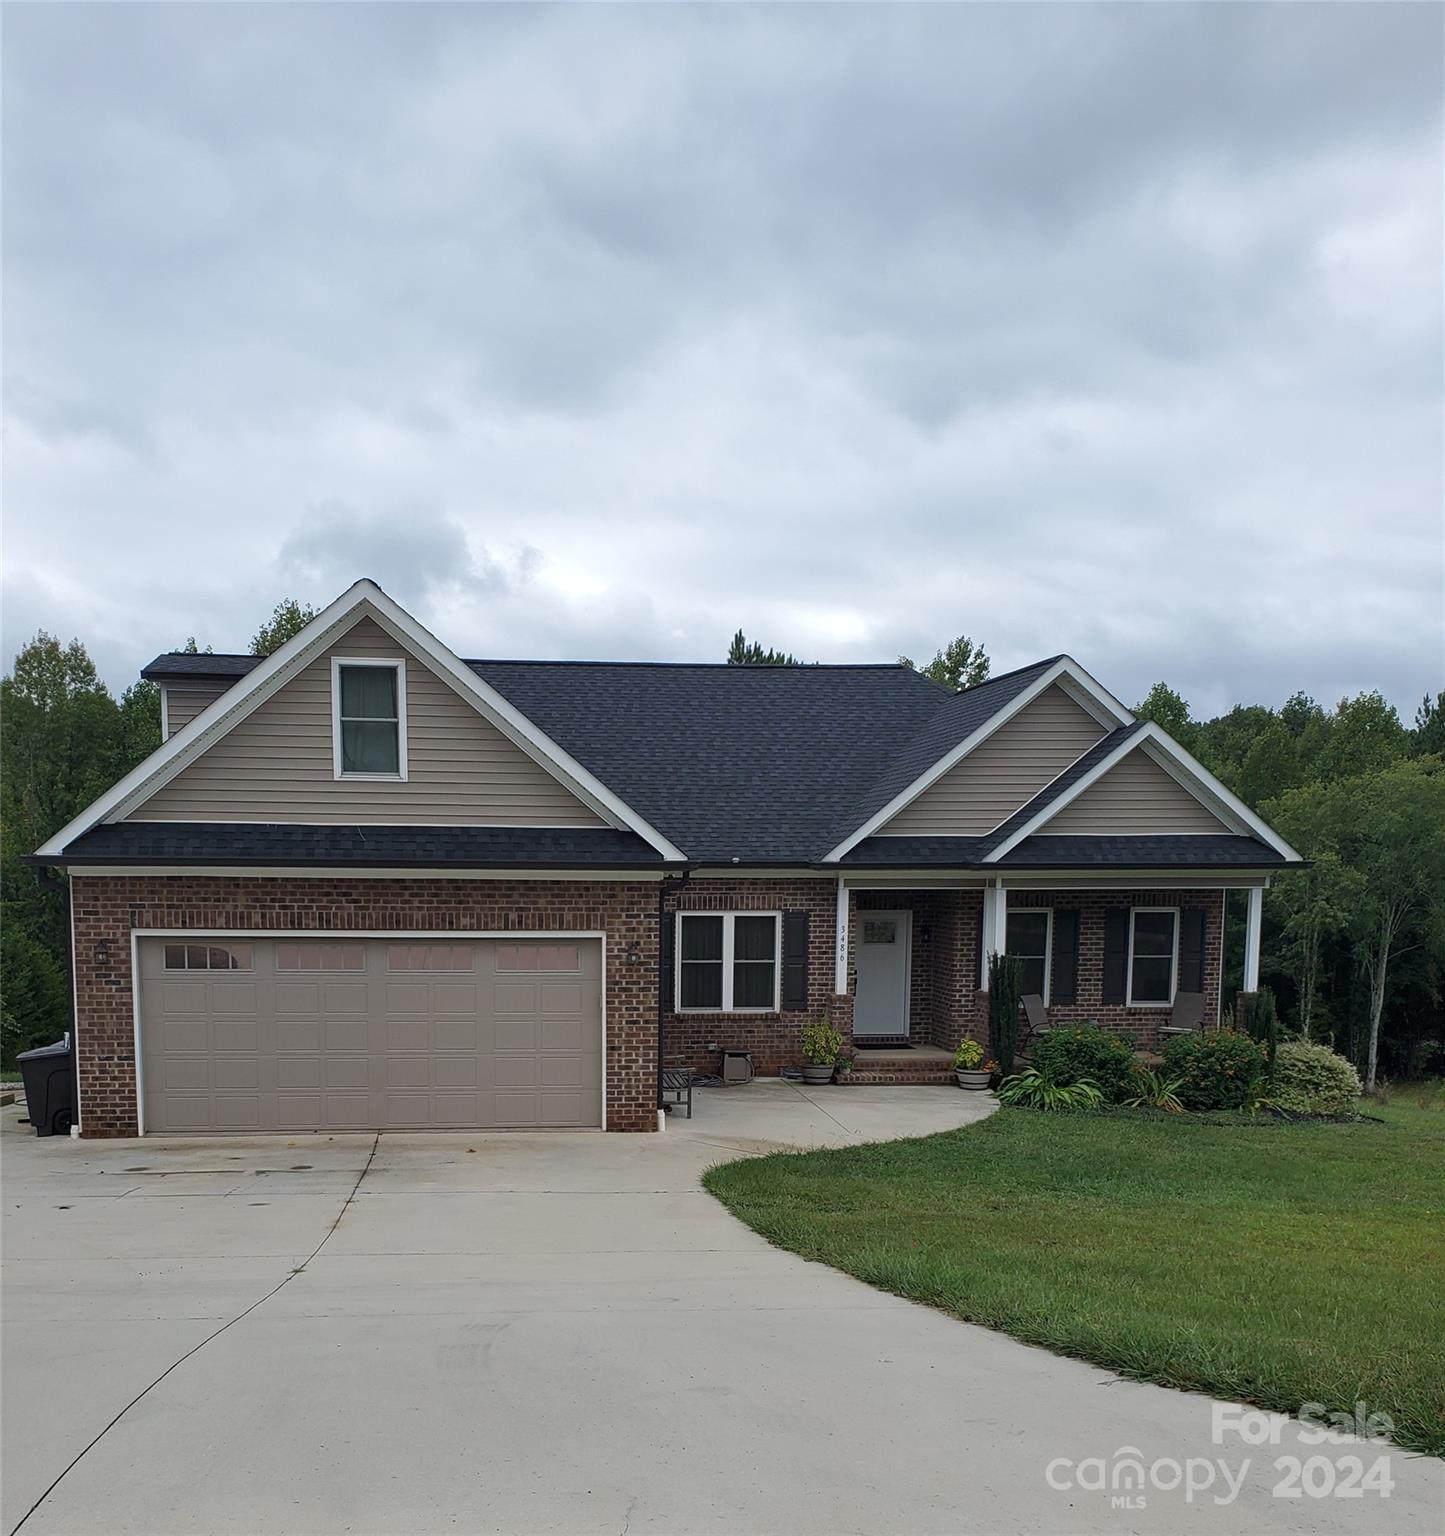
880,1005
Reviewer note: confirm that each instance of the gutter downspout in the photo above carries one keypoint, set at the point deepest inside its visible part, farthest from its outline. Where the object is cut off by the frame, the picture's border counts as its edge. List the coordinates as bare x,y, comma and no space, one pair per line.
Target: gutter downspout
668,884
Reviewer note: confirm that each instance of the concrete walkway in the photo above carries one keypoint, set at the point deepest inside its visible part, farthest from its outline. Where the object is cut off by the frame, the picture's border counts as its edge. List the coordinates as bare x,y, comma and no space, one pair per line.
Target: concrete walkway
542,1333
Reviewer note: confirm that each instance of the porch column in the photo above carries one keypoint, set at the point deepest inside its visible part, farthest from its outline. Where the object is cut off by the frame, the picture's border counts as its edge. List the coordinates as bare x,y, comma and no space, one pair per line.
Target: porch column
840,941
1254,914
995,928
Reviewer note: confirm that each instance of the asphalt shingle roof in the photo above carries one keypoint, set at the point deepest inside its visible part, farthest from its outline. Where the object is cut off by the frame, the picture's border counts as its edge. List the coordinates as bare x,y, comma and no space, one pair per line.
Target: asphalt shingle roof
1196,850
167,842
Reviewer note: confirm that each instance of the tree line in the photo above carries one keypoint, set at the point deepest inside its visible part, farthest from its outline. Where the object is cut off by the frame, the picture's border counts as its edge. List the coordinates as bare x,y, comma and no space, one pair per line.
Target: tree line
1353,947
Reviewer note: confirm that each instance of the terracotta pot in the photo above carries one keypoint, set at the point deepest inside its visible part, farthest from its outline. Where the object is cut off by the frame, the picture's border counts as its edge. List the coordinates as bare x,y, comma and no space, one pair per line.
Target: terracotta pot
974,1080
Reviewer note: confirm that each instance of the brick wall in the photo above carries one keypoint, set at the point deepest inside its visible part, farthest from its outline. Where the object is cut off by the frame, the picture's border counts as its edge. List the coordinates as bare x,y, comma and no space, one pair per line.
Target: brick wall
108,908
696,1040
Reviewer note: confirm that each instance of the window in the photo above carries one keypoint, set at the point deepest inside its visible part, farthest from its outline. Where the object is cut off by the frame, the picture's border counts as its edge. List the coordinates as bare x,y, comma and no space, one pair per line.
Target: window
1153,956
429,957
522,958
1030,932
320,957
727,961
208,957
368,704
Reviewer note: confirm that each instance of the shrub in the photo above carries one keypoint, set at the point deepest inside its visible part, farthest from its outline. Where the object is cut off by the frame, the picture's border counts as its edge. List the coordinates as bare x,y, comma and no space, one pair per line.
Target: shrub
1004,980
1216,1068
1078,1051
1262,1021
1313,1080
822,1044
1032,1089
1152,1090
968,1057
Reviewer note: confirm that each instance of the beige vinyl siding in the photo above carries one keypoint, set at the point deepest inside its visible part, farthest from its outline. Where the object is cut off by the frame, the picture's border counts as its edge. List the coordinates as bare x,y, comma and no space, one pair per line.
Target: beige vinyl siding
1002,772
277,764
184,701
1135,796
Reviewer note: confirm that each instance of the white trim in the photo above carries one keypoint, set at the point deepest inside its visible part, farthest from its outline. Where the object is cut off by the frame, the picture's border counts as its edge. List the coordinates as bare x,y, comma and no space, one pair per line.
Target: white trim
398,666
362,599
1253,918
165,715
1048,942
729,918
994,929
1192,775
363,934
840,938
1167,1002
1077,683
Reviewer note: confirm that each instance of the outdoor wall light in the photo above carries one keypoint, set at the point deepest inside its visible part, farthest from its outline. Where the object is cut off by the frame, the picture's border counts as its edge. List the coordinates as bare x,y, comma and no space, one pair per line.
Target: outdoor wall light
102,952
634,954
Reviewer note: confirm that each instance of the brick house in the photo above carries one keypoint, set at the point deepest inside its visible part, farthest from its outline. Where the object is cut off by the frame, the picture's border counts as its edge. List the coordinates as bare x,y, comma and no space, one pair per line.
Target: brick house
364,883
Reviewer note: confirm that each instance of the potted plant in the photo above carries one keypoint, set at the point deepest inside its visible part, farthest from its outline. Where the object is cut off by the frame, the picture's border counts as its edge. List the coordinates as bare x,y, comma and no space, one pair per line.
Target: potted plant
969,1067
822,1045
844,1068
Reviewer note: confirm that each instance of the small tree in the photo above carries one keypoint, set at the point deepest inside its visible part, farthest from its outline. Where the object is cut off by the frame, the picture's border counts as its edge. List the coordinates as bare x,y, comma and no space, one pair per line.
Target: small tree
1263,1022
748,653
1005,987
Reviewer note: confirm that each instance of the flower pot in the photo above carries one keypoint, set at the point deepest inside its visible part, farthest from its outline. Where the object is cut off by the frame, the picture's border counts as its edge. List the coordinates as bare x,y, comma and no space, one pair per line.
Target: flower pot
977,1081
817,1072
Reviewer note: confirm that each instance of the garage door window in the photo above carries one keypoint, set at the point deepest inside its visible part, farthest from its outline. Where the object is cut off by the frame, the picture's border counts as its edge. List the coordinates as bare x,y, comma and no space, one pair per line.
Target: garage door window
208,957
539,957
429,957
320,957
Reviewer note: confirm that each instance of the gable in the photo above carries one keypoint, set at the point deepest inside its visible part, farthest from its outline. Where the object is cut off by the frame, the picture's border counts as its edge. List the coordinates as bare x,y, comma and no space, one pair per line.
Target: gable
1003,772
276,765
1135,797
182,702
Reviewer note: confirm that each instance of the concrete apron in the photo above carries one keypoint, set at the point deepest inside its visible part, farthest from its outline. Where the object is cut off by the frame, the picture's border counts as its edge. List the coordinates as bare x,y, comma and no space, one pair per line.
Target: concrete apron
545,1333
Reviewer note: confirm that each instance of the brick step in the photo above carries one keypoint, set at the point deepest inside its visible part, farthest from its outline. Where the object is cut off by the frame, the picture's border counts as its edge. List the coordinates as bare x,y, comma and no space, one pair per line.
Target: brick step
887,1076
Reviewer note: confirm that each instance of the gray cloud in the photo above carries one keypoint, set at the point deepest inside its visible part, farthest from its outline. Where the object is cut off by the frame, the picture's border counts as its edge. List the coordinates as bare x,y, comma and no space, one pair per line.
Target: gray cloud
1113,329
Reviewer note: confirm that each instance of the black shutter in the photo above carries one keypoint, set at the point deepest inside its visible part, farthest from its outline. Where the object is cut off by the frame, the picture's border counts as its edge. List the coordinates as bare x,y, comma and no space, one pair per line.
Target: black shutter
1064,984
1191,949
665,965
795,960
1116,954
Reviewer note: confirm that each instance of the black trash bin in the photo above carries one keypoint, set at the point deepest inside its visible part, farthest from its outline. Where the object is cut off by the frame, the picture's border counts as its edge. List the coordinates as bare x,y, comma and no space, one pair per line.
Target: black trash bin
49,1096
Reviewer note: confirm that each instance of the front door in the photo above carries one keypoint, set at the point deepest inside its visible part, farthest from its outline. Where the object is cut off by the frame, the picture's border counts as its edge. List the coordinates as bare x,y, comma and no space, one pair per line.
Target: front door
880,1005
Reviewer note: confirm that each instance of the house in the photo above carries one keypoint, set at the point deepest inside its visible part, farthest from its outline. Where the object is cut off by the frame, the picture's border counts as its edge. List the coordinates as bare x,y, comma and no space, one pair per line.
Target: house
365,883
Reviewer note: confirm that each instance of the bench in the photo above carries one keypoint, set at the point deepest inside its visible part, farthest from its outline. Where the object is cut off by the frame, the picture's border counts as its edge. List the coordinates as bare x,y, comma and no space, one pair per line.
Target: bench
679,1085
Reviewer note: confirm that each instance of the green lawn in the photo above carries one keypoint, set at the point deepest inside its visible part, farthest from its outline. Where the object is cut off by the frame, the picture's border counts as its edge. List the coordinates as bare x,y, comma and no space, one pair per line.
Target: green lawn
1273,1263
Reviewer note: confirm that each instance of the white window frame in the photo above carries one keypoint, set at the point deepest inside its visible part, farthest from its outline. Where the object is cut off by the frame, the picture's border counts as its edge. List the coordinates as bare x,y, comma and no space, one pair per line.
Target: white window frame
1168,1002
399,667
1048,912
729,918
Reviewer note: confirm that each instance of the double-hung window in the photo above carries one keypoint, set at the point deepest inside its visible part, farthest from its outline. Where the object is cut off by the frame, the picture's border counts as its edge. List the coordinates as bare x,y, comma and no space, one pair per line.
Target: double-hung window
727,961
368,707
1153,956
1029,933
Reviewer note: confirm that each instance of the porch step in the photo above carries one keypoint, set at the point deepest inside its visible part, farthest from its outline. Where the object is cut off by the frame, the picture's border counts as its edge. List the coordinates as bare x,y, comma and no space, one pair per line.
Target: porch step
896,1079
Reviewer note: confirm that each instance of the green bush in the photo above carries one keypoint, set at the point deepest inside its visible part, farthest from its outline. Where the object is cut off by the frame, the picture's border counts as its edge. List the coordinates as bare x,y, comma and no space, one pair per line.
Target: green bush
1262,1021
1216,1068
822,1043
1005,975
1312,1080
1075,1052
1032,1089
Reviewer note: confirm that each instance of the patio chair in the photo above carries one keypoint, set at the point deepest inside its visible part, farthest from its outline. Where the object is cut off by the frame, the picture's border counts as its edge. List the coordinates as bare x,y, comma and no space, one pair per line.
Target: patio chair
679,1085
1186,1016
1035,1017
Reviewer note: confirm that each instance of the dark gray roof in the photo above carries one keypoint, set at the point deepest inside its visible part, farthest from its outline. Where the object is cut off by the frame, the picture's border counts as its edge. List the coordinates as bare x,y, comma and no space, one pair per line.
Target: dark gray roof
196,665
179,842
1200,851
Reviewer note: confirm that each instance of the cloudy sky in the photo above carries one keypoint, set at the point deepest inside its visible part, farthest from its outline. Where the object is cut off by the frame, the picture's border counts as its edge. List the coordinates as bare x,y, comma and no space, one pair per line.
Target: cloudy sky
601,332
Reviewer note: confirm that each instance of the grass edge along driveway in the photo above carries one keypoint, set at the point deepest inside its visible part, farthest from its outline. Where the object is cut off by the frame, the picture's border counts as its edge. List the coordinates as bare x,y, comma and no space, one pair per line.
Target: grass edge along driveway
1272,1263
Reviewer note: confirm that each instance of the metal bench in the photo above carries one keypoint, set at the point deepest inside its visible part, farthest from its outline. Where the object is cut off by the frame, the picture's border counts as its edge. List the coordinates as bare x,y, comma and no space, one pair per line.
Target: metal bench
679,1085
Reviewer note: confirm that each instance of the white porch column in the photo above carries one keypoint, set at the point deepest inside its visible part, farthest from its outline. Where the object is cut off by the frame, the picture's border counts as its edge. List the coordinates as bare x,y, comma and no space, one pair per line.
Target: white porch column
1253,916
840,942
995,928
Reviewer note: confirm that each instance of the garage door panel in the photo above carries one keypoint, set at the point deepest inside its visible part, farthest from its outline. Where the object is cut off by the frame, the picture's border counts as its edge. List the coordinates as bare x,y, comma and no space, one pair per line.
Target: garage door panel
442,1041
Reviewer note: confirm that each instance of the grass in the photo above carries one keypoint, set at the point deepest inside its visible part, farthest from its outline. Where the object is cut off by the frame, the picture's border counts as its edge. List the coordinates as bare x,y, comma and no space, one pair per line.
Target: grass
1249,1258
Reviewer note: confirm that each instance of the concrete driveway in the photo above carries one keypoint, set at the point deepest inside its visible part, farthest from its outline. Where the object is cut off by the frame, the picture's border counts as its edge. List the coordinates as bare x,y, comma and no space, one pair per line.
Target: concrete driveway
543,1333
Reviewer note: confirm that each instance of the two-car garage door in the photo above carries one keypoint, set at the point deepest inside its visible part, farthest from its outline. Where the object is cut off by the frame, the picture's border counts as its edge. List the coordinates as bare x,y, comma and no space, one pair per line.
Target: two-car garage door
308,1033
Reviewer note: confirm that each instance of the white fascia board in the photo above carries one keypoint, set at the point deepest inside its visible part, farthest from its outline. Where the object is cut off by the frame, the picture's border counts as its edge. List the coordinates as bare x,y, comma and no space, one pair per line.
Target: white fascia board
363,597
1191,774
364,872
1082,688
